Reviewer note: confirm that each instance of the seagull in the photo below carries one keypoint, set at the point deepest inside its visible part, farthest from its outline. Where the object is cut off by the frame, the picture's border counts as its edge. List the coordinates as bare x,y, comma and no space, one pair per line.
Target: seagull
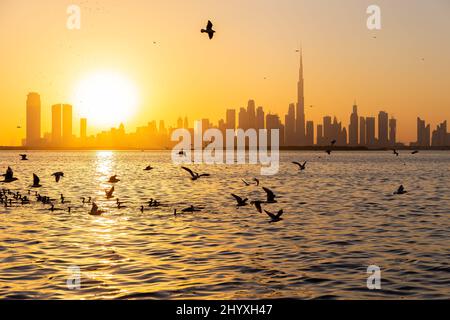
94,211
257,181
245,182
113,179
328,151
415,151
148,168
240,202
58,175
23,157
181,153
195,175
209,30
190,209
257,205
270,195
395,152
400,190
274,217
109,193
333,142
36,181
301,167
9,176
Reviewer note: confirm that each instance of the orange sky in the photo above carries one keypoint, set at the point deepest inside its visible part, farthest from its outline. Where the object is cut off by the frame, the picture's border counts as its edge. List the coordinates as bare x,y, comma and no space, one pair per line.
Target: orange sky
186,74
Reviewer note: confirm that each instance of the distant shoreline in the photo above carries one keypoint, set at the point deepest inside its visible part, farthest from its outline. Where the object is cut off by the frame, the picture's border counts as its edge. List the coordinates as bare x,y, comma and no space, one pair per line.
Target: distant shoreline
313,148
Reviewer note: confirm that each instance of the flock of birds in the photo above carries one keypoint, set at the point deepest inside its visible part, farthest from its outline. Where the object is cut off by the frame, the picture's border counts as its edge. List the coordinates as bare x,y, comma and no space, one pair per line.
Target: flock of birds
9,198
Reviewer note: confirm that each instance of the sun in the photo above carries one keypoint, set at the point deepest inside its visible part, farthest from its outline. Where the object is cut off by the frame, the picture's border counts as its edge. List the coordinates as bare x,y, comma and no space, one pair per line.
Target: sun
105,98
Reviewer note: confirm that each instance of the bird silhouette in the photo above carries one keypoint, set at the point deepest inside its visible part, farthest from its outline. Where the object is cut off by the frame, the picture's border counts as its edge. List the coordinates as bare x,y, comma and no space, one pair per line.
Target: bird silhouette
113,179
36,181
195,175
270,195
95,211
333,142
245,182
240,202
9,176
148,168
23,157
58,175
400,190
109,193
257,181
415,151
209,30
257,205
301,167
274,217
395,152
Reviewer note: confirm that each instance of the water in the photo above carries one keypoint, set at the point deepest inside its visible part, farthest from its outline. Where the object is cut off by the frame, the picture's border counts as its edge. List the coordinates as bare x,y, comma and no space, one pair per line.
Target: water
340,216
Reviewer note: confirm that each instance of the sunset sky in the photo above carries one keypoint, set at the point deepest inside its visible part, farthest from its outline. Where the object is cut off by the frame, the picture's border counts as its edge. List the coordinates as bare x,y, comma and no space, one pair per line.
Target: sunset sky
405,70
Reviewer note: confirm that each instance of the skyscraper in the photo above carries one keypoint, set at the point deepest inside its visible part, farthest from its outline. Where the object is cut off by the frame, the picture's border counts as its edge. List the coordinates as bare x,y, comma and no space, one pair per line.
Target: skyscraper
383,120
231,119
260,118
56,125
370,131
309,133
353,127
67,124
33,134
289,122
440,137
362,131
300,112
392,132
243,119
327,129
251,114
423,133
320,139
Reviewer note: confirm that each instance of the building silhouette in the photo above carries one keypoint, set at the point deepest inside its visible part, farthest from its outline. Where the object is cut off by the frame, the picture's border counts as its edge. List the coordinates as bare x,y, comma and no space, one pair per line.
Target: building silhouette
300,112
260,118
56,125
289,123
231,119
33,134
370,132
362,131
440,137
392,132
309,138
353,127
383,121
423,134
251,114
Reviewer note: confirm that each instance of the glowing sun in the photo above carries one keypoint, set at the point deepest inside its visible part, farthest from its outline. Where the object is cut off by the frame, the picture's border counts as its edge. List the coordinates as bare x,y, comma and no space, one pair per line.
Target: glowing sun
105,98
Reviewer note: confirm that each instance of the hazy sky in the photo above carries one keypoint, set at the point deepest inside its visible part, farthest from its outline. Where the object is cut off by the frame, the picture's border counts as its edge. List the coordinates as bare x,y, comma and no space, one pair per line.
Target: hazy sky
187,74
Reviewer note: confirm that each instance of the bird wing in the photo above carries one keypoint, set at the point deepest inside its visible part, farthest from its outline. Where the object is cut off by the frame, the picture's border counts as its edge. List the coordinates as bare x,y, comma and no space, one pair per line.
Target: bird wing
270,194
57,177
304,163
238,199
35,179
279,213
209,25
210,35
189,170
258,206
270,214
204,175
246,183
295,162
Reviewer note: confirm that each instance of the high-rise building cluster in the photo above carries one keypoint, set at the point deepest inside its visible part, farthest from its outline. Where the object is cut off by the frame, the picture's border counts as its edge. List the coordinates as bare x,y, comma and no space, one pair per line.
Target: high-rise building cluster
296,131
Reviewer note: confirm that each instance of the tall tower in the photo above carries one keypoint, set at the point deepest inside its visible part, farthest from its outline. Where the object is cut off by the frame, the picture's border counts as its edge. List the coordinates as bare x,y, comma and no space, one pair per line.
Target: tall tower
353,127
33,119
300,112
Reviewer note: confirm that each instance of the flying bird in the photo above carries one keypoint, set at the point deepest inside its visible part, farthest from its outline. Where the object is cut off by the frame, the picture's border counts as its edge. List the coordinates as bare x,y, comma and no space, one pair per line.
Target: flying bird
58,175
395,152
109,193
240,202
23,157
301,167
36,181
400,190
148,168
113,179
209,30
245,182
415,151
195,175
328,151
333,142
270,195
9,176
257,205
257,181
274,217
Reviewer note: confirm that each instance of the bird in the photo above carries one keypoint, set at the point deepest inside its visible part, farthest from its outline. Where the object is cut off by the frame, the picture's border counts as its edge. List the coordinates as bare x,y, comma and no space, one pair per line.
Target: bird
109,193
181,153
274,217
257,205
400,190
301,167
148,168
190,209
257,181
245,182
58,175
36,181
333,142
194,174
23,157
95,211
415,151
113,179
240,202
270,195
9,176
209,30
395,152
328,151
